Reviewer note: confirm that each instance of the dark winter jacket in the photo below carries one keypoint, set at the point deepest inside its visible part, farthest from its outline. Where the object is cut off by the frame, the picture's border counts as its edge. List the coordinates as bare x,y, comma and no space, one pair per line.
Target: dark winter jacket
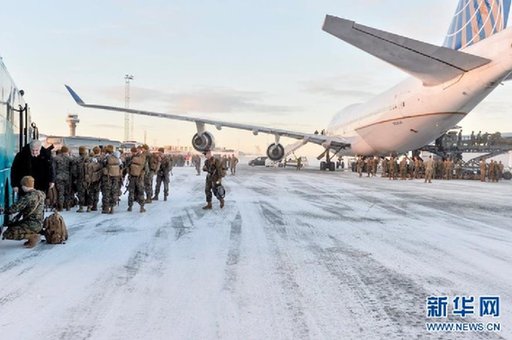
40,167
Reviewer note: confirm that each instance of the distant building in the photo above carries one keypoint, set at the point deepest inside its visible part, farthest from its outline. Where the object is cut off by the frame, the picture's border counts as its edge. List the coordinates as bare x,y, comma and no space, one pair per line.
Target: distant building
74,142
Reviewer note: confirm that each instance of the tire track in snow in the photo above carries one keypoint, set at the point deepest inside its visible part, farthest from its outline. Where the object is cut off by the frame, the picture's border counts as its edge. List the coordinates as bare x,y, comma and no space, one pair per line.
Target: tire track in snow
235,240
285,270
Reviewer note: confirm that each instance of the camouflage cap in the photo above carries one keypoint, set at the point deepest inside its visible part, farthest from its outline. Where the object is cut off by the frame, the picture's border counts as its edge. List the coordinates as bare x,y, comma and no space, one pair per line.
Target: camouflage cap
145,146
161,150
96,150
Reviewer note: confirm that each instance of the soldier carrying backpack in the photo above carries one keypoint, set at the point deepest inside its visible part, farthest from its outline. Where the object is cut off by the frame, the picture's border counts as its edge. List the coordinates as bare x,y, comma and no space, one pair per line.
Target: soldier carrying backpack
110,180
216,171
135,166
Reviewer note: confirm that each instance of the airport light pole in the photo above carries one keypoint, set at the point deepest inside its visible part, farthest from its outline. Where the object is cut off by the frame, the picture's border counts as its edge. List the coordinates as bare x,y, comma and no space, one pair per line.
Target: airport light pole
128,118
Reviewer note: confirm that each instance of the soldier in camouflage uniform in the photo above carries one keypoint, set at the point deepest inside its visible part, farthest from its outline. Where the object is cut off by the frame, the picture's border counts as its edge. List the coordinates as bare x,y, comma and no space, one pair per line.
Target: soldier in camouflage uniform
30,208
81,182
359,166
392,167
162,175
429,169
213,167
483,168
149,173
135,168
110,181
94,187
403,168
500,168
196,160
492,171
232,164
417,167
384,167
375,165
62,165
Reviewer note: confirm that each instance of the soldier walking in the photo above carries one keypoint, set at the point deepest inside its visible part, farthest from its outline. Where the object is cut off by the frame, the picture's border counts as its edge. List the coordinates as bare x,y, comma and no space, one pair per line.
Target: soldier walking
213,167
196,159
232,164
162,175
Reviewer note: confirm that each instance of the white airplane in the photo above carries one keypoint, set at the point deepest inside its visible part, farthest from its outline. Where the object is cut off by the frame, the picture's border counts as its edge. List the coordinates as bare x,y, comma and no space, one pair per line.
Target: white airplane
447,83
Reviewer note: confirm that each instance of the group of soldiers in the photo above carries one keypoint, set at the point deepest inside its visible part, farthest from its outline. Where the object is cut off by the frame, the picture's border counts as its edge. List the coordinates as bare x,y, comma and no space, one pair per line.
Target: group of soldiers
493,171
415,168
105,170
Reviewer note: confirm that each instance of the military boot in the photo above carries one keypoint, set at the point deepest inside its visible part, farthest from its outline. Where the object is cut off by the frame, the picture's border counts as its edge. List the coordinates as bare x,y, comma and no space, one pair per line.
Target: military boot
129,208
105,210
155,198
88,209
208,206
111,211
148,200
222,203
94,208
165,197
59,207
81,209
142,210
32,241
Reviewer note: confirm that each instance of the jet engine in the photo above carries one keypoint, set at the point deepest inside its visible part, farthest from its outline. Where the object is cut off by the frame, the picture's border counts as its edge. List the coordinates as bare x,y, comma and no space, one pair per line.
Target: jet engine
204,141
275,152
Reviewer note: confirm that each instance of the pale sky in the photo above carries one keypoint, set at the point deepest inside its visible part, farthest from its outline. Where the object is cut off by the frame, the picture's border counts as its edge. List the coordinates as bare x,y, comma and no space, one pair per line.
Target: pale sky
258,62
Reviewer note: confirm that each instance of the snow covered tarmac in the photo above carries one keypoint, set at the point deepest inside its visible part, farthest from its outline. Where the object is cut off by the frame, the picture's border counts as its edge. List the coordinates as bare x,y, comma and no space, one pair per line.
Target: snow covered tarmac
293,255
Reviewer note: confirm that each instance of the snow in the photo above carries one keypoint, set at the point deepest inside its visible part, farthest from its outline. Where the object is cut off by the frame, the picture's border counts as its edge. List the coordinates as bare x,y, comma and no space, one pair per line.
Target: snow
293,255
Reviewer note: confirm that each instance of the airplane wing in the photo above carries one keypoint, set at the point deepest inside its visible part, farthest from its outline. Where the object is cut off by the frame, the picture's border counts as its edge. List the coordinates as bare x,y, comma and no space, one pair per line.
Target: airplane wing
432,64
332,142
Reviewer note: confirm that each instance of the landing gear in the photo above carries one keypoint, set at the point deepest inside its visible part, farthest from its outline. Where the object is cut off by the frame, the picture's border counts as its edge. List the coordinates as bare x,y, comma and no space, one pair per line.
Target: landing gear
331,166
327,164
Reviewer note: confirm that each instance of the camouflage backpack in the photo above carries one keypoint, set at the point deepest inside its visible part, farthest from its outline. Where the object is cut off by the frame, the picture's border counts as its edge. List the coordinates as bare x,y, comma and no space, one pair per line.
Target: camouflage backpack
154,162
54,229
92,171
137,165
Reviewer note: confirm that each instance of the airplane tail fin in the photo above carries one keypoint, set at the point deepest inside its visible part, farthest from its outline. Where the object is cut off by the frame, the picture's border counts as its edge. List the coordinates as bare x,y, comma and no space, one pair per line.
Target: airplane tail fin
475,20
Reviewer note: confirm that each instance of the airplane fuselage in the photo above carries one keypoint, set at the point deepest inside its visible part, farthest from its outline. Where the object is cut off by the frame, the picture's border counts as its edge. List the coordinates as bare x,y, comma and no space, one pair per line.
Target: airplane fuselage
411,115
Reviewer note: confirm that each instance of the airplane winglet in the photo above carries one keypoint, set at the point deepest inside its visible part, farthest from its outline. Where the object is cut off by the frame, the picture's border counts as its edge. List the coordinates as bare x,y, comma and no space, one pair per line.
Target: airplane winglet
75,96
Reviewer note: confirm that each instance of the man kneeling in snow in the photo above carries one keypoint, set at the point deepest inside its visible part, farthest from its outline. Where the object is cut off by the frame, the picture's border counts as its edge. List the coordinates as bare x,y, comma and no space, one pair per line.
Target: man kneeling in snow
29,221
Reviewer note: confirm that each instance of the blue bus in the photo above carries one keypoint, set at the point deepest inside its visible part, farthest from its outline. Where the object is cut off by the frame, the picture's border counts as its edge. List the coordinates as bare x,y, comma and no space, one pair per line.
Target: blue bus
15,129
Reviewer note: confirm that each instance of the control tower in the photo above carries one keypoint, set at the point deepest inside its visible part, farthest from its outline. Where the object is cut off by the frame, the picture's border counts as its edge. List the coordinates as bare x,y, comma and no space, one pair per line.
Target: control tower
72,120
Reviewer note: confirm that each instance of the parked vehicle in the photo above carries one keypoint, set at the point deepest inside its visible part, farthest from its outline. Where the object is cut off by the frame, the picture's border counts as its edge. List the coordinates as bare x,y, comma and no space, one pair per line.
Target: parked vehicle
258,161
